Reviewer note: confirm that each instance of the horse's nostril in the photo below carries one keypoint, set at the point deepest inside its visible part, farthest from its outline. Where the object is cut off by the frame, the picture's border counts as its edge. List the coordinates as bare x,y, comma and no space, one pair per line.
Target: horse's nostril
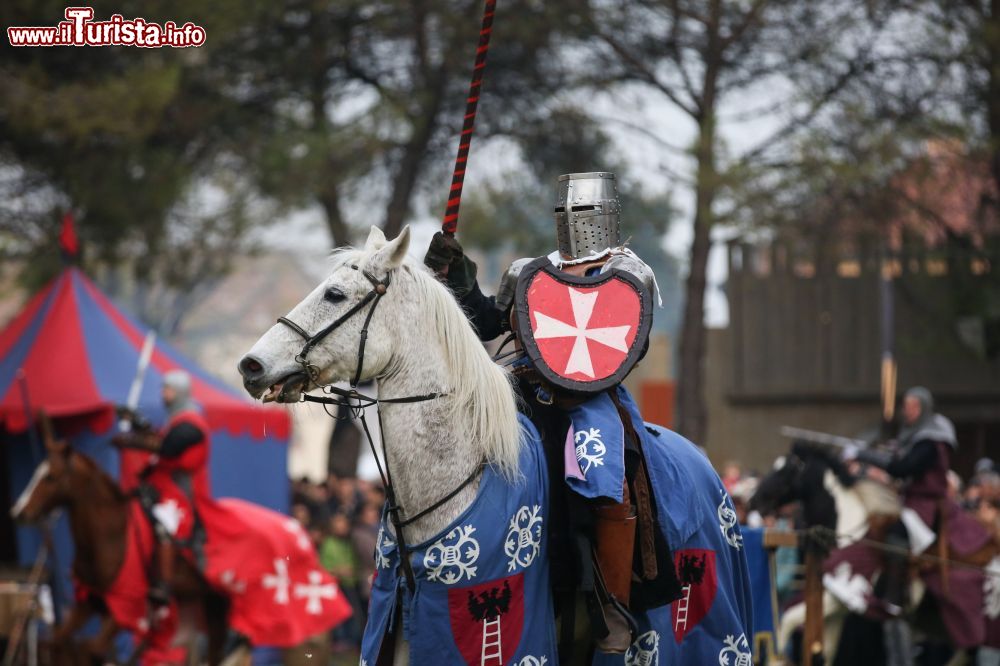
250,367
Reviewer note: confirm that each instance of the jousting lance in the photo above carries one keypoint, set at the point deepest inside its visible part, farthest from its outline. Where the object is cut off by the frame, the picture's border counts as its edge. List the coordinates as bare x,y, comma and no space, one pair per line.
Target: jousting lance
450,223
824,438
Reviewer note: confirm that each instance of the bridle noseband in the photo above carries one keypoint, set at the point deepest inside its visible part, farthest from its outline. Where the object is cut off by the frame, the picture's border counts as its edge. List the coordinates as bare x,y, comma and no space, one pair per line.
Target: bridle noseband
379,288
356,403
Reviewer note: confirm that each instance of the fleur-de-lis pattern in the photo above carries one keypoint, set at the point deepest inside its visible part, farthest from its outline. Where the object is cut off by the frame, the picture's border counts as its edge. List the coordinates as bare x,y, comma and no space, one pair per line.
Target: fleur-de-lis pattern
735,652
590,448
524,537
645,650
453,558
728,522
383,545
530,660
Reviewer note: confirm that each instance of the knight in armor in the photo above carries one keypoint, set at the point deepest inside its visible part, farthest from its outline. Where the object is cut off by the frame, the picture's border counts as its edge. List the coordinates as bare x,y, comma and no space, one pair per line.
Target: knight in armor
174,479
921,463
924,455
602,545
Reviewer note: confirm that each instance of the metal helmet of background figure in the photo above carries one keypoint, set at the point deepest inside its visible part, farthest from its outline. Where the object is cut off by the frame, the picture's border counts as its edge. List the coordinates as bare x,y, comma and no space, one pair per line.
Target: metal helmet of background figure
587,214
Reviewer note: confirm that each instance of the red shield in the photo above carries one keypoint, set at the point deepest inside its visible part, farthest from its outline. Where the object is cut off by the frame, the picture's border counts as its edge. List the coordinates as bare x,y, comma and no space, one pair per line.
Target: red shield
583,334
696,570
487,620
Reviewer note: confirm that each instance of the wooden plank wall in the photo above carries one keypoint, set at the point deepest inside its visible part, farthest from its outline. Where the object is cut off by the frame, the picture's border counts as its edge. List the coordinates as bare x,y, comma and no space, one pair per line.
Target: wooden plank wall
808,331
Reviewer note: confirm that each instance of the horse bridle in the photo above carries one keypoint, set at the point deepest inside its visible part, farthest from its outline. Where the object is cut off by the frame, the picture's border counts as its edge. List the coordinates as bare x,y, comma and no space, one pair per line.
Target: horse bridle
357,402
379,288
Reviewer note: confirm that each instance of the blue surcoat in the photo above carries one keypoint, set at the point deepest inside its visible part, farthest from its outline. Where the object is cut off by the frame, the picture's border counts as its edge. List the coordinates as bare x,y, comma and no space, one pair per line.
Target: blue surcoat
482,585
712,622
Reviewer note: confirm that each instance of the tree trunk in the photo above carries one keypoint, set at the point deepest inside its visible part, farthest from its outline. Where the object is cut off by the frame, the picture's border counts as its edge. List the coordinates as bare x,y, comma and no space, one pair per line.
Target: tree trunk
414,152
340,234
992,39
329,195
691,411
692,419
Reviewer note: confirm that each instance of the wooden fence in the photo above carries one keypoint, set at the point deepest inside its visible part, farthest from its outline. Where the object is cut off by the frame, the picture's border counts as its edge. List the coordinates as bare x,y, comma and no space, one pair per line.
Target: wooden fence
806,323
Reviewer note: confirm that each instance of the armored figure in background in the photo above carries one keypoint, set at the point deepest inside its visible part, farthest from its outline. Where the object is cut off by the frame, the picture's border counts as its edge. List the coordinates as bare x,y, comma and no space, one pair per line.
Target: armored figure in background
921,464
174,483
598,511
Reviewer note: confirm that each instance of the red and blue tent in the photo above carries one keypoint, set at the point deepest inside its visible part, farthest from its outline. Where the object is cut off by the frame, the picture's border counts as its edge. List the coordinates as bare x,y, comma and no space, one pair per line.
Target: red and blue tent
78,353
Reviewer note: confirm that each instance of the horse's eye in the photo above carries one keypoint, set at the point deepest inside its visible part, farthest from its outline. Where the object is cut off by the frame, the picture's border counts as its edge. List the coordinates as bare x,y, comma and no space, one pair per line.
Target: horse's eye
334,295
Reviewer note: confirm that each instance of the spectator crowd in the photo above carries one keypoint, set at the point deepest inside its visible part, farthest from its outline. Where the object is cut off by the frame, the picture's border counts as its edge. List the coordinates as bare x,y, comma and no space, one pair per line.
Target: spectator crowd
342,517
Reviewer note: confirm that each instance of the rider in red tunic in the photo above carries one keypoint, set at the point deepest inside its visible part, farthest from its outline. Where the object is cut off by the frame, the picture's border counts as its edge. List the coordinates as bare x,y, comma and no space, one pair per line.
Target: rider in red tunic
174,482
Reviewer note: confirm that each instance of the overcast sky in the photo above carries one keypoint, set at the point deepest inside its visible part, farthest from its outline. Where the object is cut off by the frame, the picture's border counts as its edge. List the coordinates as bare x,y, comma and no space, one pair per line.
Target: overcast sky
656,166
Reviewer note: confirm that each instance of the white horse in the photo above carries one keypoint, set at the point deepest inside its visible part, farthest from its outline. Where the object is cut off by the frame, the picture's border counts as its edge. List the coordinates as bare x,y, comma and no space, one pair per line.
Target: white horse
379,316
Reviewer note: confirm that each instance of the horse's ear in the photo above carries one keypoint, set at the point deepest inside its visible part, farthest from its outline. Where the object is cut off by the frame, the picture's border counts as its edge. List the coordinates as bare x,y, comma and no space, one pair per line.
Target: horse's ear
394,252
376,239
52,445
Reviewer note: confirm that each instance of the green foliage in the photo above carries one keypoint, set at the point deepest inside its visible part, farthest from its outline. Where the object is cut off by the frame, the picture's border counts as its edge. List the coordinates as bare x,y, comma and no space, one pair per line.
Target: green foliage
169,156
352,108
125,137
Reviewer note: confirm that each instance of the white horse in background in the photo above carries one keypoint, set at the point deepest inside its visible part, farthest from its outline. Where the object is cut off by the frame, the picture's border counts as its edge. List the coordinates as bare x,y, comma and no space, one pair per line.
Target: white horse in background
380,316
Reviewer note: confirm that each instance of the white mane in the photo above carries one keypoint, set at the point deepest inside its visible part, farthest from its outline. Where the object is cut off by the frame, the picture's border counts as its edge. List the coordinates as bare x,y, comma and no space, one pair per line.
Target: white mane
481,401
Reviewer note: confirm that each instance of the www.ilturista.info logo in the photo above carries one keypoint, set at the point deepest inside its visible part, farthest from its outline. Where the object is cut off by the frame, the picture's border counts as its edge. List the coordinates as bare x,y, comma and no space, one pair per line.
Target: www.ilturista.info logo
79,29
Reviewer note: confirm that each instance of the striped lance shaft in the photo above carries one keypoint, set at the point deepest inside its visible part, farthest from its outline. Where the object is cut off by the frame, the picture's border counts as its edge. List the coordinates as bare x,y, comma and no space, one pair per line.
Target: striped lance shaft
450,223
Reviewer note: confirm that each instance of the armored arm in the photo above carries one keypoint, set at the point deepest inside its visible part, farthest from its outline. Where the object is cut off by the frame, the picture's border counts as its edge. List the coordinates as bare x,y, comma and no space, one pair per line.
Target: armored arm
483,313
877,457
142,441
447,259
179,439
141,436
915,462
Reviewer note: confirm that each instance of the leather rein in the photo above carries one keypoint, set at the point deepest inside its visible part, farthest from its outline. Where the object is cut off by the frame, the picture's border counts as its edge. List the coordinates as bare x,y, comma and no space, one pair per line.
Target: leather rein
356,403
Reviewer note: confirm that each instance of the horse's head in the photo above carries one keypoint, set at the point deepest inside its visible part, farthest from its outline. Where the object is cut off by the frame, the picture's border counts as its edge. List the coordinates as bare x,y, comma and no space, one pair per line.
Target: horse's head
382,316
322,340
51,484
802,476
781,486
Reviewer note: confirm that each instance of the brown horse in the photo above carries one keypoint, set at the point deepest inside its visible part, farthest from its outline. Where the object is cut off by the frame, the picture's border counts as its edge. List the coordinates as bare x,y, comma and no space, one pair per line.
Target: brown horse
98,518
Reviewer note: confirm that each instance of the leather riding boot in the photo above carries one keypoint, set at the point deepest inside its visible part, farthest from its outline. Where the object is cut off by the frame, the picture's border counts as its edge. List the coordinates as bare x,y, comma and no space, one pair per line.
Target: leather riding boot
615,541
159,589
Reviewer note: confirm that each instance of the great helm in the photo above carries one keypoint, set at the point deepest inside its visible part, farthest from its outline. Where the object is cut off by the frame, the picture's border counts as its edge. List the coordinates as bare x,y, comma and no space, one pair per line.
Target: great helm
586,214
